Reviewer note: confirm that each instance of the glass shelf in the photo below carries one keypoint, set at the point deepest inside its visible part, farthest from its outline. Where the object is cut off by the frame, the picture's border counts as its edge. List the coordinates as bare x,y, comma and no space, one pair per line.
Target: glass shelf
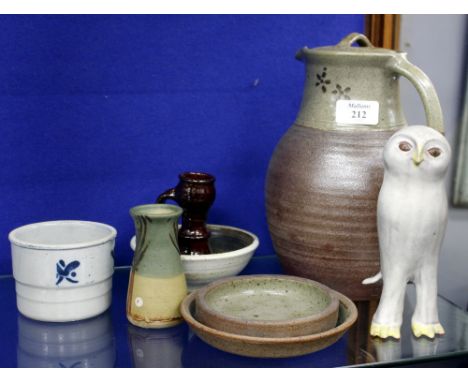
110,341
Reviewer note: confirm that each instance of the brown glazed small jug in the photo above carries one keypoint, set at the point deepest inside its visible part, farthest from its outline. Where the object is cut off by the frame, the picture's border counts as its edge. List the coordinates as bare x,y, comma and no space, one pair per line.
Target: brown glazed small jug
195,193
325,173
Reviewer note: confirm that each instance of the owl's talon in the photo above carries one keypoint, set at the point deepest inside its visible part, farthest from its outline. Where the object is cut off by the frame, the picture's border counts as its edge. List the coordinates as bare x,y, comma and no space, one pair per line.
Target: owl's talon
385,331
428,330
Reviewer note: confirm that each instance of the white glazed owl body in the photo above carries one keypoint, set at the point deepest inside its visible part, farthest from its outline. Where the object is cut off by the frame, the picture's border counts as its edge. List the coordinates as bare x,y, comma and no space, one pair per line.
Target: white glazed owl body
411,219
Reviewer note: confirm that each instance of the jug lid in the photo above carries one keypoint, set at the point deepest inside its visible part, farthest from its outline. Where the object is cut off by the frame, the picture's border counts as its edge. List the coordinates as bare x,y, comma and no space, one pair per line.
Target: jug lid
346,47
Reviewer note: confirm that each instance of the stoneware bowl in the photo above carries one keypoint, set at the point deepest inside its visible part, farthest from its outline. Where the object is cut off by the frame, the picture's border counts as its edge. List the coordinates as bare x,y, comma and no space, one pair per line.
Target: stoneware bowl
63,269
267,347
232,248
267,306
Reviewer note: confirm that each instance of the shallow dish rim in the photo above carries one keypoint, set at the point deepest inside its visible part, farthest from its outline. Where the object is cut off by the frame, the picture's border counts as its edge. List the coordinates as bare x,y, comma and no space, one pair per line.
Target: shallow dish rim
331,308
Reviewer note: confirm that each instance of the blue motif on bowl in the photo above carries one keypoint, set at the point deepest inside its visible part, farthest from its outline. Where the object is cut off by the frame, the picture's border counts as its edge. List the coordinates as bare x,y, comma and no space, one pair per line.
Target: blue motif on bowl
66,272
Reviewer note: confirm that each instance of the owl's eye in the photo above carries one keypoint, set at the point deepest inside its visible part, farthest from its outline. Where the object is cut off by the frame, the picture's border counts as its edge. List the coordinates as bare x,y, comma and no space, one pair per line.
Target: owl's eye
405,146
434,152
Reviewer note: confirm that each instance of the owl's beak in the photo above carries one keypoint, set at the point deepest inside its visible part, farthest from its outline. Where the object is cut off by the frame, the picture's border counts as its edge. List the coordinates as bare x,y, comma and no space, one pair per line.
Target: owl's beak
418,156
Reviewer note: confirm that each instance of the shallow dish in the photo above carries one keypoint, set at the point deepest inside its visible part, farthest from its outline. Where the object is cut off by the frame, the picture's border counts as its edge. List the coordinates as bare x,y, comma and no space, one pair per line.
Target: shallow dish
63,269
262,347
267,306
232,250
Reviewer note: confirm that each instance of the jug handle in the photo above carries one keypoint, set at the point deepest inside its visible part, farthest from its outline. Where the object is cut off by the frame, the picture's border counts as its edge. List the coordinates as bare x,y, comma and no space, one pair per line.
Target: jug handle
169,194
400,65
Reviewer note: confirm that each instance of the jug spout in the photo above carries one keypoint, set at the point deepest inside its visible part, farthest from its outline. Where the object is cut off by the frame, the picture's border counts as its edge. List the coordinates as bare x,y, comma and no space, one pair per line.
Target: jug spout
300,54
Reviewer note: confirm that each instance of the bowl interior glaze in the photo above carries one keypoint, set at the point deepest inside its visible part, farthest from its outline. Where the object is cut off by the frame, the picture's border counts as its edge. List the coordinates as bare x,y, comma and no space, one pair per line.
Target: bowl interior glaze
225,239
267,299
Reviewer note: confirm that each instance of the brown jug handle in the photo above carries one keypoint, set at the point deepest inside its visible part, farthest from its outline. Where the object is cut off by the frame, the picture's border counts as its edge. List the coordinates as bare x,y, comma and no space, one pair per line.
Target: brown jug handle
357,38
169,194
400,65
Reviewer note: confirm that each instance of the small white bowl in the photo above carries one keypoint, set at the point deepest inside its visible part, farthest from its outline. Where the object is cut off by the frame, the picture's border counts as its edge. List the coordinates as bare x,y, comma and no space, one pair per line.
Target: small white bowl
233,248
63,269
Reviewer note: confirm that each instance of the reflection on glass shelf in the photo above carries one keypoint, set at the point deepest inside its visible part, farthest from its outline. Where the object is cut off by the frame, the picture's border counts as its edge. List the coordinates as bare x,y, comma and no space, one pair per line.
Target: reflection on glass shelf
199,354
157,347
367,350
87,343
109,340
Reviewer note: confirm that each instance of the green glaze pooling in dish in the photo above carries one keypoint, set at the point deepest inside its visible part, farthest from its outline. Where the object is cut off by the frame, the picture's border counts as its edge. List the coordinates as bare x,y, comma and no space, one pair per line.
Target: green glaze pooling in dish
268,300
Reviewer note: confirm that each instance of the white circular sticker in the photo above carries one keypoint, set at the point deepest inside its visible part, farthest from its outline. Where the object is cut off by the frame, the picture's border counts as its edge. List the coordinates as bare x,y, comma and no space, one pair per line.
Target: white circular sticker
139,302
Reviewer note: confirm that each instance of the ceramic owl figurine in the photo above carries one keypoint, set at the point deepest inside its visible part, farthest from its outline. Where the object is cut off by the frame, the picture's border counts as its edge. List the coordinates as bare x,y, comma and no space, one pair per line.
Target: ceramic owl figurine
411,220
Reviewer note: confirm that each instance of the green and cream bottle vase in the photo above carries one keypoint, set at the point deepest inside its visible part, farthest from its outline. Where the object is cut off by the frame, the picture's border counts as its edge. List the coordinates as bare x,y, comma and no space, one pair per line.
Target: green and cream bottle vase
157,283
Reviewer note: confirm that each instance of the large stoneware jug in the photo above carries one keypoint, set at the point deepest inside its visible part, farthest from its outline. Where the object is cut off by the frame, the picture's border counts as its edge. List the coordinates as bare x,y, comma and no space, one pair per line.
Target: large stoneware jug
325,174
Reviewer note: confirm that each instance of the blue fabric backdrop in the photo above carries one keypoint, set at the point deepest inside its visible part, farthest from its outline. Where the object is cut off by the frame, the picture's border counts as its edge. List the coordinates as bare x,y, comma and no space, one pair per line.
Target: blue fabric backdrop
100,113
